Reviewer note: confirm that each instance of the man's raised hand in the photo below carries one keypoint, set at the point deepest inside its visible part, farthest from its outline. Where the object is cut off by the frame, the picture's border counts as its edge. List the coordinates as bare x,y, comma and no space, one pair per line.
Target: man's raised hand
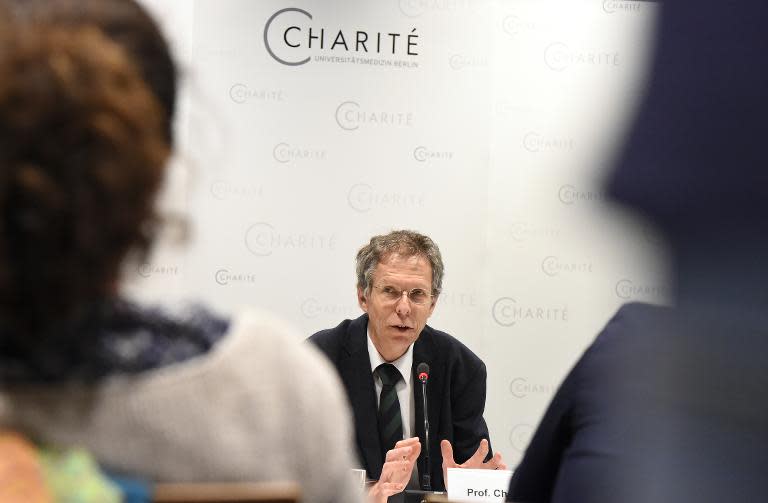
475,461
396,471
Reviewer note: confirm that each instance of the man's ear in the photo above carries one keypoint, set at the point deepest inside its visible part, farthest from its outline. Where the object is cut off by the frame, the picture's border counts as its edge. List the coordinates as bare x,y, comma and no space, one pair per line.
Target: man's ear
362,301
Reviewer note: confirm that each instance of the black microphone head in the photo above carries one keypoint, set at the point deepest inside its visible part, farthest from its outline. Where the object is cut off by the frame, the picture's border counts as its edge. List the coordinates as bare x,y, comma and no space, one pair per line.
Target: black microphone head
422,372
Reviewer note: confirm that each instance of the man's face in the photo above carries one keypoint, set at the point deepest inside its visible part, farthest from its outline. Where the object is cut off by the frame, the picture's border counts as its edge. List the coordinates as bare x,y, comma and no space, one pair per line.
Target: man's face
396,324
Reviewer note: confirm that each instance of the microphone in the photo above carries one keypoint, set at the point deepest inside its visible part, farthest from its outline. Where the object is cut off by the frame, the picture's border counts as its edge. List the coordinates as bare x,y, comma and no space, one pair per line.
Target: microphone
422,372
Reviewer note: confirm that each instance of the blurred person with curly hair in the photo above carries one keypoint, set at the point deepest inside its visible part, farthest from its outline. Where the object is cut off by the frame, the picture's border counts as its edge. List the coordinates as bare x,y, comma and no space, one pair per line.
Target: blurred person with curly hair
87,92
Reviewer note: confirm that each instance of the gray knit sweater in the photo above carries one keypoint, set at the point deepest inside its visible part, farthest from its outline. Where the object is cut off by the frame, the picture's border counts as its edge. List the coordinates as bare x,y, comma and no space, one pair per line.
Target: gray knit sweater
260,405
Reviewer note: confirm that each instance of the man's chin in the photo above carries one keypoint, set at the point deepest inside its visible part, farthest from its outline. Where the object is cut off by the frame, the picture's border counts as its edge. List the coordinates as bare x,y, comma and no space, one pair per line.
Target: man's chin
399,342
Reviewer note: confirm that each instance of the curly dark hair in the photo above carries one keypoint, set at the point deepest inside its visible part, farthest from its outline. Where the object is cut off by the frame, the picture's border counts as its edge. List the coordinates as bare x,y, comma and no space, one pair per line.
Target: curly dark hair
126,23
83,146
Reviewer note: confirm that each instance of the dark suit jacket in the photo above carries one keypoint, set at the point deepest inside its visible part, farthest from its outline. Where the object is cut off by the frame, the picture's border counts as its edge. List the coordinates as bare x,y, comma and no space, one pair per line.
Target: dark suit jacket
672,405
666,405
455,393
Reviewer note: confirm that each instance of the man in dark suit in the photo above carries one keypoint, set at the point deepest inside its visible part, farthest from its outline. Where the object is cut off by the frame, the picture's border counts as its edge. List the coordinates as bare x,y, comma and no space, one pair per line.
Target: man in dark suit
399,278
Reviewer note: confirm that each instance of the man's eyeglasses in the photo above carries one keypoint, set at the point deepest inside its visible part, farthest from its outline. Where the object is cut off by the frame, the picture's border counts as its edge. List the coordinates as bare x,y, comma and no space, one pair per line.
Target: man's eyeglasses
418,296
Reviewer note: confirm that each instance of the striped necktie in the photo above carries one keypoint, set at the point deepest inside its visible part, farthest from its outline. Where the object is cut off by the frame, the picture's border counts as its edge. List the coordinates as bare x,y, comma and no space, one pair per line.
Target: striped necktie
390,420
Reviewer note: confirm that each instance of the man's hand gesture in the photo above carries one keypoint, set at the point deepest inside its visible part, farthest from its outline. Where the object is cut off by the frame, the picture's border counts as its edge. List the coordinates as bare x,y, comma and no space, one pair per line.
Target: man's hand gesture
476,461
396,471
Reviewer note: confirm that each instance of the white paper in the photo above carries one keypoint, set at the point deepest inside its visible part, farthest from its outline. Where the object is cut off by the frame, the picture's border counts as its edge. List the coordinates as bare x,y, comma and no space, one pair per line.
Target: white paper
466,484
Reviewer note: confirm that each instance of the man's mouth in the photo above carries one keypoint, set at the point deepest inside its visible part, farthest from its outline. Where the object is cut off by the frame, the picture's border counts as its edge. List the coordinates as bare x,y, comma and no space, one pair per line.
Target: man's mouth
401,328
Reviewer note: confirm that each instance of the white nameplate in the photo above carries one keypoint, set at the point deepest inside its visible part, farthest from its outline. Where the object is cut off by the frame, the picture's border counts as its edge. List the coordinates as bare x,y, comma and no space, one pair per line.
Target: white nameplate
466,484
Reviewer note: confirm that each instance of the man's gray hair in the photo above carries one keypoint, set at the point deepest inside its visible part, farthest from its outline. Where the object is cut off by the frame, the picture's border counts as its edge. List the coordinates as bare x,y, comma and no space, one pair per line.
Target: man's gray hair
402,242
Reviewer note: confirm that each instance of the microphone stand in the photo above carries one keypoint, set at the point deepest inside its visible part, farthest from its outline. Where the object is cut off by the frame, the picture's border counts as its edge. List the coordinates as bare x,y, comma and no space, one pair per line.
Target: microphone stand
426,482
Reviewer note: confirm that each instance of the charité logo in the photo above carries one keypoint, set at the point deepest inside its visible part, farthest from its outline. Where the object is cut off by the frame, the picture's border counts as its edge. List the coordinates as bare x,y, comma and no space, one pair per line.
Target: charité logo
292,37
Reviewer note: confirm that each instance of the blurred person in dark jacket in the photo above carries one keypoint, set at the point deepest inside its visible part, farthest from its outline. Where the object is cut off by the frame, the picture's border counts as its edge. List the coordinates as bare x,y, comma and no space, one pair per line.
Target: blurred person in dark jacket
669,403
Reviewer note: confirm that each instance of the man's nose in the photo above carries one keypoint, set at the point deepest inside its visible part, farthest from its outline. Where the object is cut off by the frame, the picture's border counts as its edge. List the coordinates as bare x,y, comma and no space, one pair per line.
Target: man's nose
403,306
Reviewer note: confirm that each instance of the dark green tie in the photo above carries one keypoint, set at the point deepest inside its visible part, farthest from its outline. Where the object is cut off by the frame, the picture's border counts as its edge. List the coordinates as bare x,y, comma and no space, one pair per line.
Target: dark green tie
390,420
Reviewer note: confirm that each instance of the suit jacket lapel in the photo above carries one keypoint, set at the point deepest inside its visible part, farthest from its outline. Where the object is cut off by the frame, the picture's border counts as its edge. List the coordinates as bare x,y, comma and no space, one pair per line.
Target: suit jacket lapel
355,371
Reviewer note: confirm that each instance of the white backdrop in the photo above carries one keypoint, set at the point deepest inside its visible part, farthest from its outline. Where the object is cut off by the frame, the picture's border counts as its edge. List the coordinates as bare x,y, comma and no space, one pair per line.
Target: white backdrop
487,125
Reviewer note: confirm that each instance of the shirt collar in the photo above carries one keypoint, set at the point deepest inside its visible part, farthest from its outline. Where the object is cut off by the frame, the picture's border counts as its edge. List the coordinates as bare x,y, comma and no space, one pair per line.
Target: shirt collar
402,364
